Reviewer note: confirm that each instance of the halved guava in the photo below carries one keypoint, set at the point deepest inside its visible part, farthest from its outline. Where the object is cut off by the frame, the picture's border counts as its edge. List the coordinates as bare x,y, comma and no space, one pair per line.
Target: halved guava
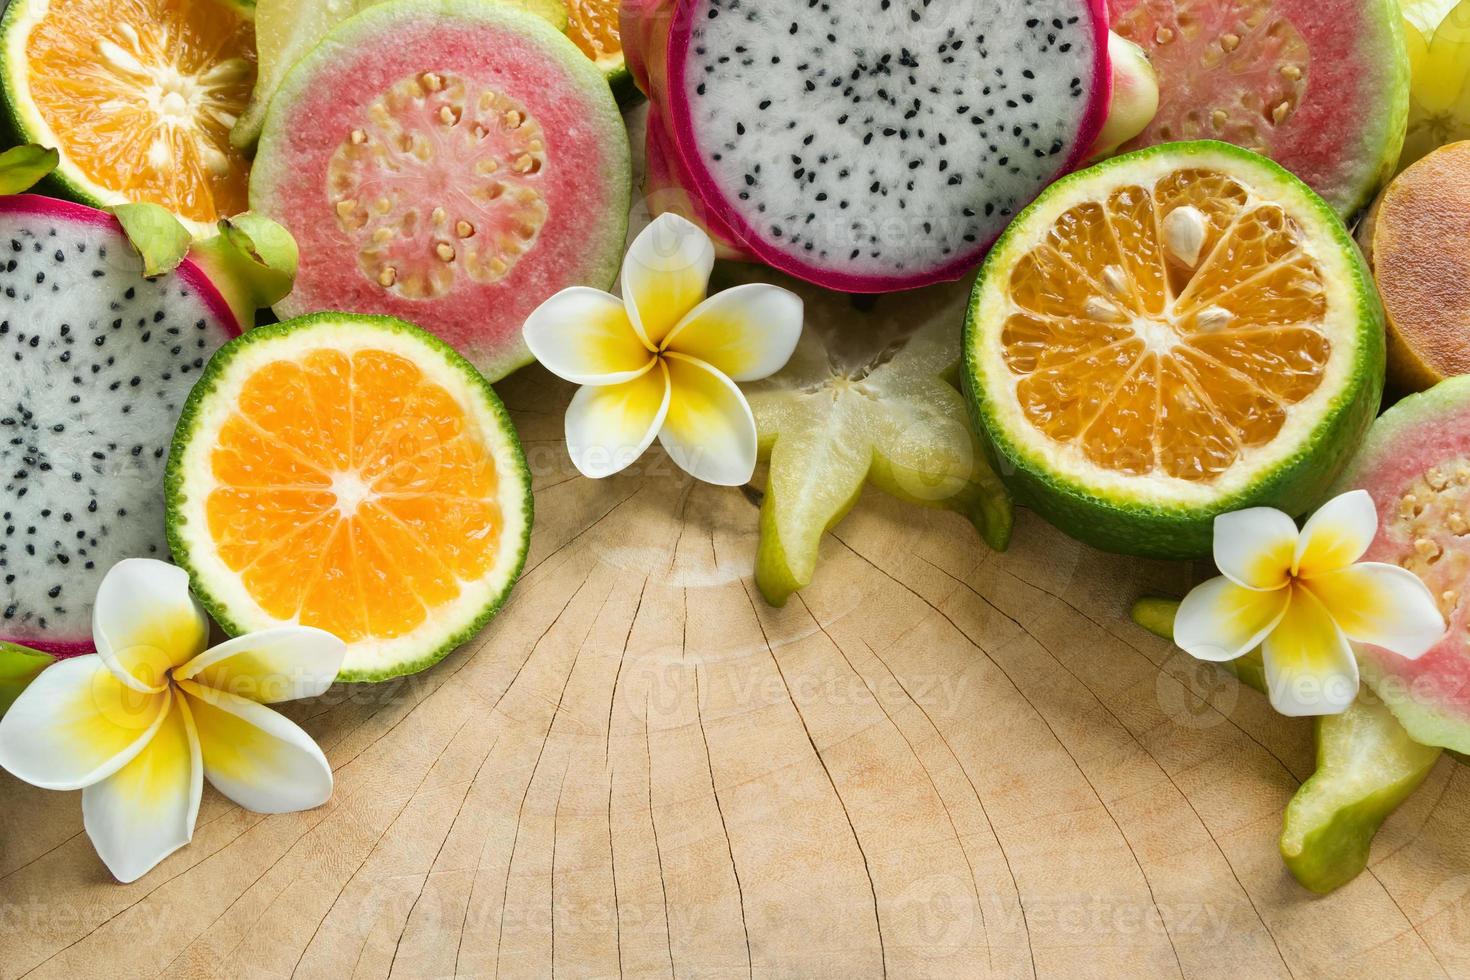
1321,88
1416,465
450,163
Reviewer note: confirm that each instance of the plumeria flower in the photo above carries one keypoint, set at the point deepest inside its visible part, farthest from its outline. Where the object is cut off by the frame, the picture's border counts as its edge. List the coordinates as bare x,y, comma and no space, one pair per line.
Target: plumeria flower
663,360
1302,596
138,725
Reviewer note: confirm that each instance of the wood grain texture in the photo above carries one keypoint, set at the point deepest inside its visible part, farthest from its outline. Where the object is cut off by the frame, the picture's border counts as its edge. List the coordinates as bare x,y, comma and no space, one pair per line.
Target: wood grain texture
936,761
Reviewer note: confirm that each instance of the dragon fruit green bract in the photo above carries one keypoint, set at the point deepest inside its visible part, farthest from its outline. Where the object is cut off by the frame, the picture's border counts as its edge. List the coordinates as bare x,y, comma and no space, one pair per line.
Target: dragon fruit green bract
864,146
450,163
98,362
1321,88
1416,465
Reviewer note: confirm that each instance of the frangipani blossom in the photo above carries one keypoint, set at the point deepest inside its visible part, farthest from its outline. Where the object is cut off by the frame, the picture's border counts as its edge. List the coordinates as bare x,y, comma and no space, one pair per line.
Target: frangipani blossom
138,725
1302,596
663,360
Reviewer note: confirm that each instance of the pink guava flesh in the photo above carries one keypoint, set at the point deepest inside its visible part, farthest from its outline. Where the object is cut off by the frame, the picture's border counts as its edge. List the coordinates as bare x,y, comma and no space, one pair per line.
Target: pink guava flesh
864,147
450,163
1321,88
99,361
1416,465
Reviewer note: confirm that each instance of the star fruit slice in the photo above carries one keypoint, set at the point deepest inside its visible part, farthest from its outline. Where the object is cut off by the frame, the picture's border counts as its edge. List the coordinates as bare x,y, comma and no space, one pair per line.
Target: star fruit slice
866,399
1366,766
1437,34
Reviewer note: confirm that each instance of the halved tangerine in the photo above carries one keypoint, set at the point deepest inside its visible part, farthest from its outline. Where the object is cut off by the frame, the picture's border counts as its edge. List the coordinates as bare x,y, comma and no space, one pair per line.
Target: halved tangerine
354,474
1170,335
138,96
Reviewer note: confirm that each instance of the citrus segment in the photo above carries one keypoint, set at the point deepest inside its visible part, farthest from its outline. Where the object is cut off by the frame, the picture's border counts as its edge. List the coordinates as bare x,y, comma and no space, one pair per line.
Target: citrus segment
1165,392
1163,330
349,473
139,97
593,26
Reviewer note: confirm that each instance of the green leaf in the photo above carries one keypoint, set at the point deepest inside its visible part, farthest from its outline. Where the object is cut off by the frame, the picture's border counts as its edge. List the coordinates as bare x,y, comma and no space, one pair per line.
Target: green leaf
18,667
21,167
156,234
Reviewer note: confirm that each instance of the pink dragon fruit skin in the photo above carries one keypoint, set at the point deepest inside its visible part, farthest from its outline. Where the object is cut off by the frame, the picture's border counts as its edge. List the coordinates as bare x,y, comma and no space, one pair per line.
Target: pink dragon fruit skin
645,33
656,34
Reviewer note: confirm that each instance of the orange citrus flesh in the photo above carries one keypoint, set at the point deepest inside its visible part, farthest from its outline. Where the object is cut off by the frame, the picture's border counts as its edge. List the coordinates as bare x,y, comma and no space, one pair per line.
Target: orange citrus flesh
593,26
141,95
1164,343
353,493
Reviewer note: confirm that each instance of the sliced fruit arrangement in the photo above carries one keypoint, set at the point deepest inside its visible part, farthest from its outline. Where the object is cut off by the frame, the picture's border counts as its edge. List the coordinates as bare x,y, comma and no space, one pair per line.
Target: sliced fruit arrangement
1417,241
1437,33
355,474
449,162
866,399
866,147
1176,333
287,29
1367,765
1416,465
98,362
1321,88
138,96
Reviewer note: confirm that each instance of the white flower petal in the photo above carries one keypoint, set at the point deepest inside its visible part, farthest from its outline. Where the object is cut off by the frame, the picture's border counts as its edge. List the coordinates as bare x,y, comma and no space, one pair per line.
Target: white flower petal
258,758
145,622
1381,604
1220,620
584,336
1310,668
710,431
281,664
665,275
747,332
1254,547
77,724
1337,535
608,427
146,810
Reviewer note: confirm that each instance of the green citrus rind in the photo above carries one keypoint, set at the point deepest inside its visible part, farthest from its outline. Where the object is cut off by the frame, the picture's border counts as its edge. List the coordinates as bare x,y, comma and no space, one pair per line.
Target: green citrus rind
1128,519
193,552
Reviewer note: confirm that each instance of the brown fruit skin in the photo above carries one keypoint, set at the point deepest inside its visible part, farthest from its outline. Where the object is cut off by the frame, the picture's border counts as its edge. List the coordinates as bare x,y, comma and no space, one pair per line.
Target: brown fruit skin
1416,238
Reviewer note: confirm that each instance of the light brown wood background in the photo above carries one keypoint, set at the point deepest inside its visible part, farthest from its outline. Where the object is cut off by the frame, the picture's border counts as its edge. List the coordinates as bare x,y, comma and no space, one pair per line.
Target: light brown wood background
936,761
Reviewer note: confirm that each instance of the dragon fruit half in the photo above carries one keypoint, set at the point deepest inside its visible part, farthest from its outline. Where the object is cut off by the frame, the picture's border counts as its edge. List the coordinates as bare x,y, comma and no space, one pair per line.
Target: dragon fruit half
864,145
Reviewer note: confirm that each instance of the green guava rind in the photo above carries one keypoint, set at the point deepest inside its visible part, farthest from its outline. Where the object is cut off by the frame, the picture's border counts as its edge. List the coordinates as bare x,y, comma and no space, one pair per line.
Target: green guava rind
1415,434
1345,136
175,485
599,253
1294,485
1367,765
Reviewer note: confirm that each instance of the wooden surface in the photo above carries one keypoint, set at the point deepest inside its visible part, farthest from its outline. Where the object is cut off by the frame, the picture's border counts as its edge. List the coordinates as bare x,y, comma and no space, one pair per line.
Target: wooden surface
936,761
